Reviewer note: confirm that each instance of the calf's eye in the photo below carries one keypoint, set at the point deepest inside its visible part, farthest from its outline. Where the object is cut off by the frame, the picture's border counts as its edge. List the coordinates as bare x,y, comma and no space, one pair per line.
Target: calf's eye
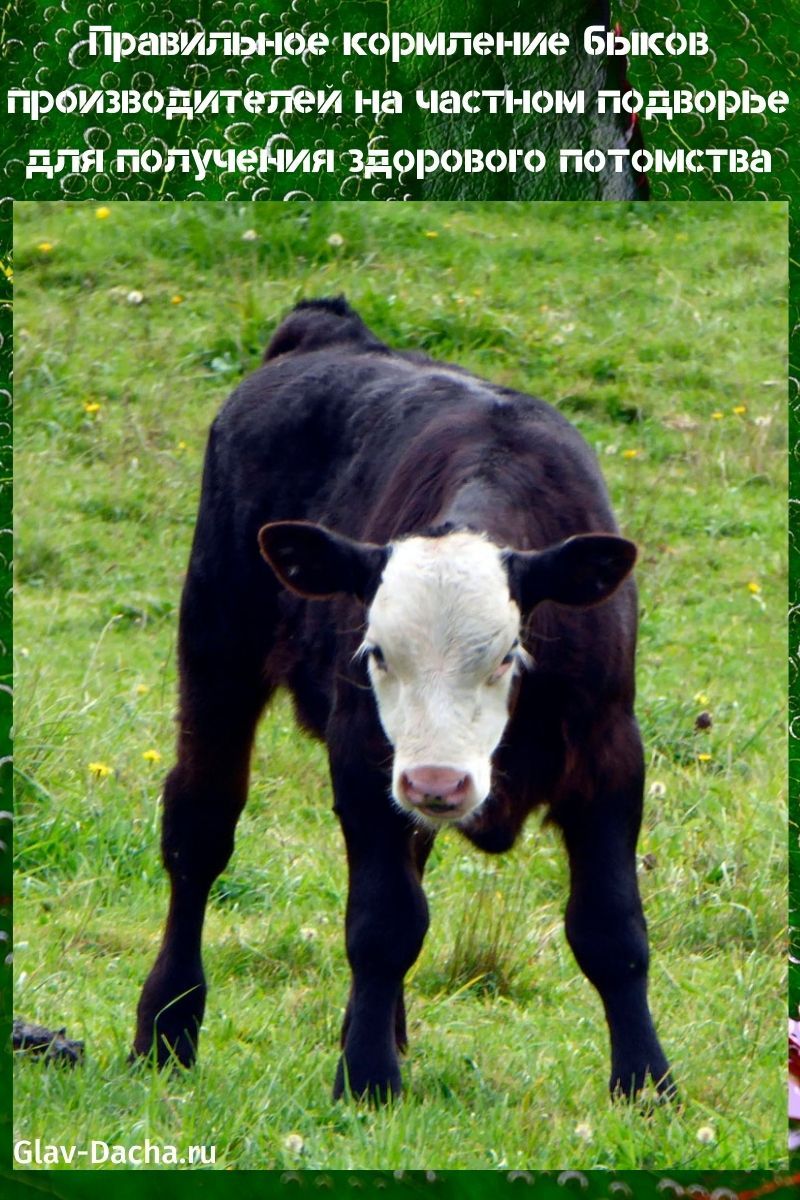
503,666
376,654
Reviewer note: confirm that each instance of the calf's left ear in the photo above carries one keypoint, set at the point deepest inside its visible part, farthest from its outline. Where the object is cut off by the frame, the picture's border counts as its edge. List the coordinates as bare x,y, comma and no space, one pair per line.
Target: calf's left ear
581,571
316,563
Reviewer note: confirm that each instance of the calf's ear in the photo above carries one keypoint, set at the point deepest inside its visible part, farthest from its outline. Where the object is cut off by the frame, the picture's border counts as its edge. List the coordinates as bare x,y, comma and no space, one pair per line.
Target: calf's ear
581,571
314,562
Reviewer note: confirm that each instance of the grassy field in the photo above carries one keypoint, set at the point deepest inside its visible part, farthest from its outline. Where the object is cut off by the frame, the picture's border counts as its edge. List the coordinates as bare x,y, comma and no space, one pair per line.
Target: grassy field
661,332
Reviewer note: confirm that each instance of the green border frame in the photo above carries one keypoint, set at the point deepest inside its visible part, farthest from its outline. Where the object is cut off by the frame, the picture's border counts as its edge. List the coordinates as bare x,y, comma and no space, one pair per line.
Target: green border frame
754,43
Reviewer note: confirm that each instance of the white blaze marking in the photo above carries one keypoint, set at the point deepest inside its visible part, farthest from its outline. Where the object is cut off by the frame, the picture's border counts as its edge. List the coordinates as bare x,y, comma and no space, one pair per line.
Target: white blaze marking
444,621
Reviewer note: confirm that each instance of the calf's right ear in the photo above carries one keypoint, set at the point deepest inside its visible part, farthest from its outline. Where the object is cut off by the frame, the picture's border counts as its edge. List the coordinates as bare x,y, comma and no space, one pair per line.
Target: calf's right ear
316,563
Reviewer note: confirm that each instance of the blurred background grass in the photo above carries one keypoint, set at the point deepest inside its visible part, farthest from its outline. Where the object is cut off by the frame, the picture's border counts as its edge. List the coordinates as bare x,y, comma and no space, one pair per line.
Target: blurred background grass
660,330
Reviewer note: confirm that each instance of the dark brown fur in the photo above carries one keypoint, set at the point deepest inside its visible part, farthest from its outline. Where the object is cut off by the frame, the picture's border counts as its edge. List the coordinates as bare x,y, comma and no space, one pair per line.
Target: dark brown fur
338,429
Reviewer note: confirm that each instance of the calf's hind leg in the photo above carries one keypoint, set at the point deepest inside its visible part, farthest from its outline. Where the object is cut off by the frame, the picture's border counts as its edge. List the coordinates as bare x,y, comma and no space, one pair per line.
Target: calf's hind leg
605,924
222,695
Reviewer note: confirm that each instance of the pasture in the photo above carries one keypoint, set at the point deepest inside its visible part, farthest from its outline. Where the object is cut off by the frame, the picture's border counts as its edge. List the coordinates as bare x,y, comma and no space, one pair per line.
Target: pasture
660,331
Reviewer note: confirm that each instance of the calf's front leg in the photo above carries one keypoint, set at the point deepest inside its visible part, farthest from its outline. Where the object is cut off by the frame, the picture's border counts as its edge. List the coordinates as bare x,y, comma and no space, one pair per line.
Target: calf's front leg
385,925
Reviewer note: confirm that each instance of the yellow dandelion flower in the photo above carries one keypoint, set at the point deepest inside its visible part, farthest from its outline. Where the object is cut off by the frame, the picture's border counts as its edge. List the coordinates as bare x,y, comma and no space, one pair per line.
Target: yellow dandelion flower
630,453
701,698
717,416
754,588
182,446
45,247
91,407
176,300
100,770
8,271
704,758
153,756
142,689
739,409
102,213
431,233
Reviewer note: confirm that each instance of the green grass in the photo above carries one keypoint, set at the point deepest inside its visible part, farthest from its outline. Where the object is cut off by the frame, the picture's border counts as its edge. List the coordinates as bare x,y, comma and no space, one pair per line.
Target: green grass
641,323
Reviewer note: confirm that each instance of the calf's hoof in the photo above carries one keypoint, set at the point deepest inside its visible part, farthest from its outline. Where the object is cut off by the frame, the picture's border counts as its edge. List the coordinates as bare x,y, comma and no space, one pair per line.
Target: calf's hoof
164,1050
630,1085
168,1022
375,1084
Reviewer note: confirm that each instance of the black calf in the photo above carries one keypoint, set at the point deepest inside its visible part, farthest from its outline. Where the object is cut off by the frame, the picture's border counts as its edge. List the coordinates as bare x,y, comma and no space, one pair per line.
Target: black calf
338,432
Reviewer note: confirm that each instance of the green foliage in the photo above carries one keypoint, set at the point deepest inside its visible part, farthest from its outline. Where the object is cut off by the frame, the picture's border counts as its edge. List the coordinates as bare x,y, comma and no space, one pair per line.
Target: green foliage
661,331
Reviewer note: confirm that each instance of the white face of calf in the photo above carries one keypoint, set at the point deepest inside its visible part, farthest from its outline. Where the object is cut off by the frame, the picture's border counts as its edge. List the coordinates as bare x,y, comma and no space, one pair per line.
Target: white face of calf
442,638
442,642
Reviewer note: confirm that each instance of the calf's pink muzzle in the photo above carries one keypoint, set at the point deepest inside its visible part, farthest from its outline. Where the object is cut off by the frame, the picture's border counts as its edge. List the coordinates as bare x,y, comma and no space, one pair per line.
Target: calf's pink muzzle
439,790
